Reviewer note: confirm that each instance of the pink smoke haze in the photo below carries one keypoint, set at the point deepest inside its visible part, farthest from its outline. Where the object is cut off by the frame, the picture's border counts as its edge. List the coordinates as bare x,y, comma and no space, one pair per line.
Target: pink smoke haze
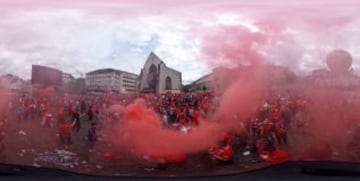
141,132
35,31
226,33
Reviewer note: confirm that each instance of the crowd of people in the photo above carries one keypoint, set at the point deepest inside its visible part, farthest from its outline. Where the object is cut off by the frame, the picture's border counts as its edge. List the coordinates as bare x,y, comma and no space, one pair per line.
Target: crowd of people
266,130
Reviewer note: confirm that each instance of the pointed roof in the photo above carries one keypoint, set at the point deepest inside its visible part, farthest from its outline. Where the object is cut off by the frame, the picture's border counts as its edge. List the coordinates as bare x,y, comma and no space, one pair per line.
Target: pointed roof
108,70
12,78
152,56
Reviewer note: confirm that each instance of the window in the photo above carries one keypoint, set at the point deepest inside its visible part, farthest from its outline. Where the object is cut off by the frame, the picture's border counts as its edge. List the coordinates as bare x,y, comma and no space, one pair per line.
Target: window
168,83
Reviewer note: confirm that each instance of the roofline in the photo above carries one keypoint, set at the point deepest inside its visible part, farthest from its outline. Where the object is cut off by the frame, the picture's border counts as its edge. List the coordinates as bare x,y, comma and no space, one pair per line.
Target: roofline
204,76
47,67
109,70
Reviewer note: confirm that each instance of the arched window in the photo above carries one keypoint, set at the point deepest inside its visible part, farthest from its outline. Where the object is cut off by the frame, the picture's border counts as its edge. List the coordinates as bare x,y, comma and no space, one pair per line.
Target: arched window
151,77
168,83
152,69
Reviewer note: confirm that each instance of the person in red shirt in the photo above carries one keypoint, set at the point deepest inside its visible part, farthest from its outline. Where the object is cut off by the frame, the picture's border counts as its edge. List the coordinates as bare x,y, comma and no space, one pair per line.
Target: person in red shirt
195,117
255,127
267,129
227,138
223,154
280,132
61,115
65,133
275,114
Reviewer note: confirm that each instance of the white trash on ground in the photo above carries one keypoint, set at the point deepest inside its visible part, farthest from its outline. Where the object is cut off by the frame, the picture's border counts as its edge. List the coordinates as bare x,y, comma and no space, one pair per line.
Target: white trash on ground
60,157
36,165
246,153
21,132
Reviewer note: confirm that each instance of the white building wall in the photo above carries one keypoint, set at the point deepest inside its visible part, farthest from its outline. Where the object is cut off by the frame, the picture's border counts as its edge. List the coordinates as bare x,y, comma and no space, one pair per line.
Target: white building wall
114,80
103,80
128,83
176,84
66,78
12,83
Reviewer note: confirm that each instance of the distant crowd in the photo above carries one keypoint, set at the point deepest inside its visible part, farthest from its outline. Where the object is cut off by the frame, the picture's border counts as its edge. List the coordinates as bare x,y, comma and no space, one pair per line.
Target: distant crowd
265,131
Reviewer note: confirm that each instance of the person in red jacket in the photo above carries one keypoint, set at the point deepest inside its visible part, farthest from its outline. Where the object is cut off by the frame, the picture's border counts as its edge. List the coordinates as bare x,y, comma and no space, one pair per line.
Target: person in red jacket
280,132
255,127
195,117
223,154
65,133
61,115
266,128
275,114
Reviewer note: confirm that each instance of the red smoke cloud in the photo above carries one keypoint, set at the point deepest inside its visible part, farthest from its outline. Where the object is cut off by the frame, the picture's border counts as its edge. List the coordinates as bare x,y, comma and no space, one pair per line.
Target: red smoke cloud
233,45
237,46
331,121
141,131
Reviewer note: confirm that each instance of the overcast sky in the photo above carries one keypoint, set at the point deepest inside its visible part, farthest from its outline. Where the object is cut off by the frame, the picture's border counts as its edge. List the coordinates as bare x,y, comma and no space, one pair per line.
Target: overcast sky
78,36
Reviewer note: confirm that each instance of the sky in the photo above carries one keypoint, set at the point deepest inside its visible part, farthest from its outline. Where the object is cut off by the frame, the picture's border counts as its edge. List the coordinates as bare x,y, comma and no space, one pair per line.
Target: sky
78,36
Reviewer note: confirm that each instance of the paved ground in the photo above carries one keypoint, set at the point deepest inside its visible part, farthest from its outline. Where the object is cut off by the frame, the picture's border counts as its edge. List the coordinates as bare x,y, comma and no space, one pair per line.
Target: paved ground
27,143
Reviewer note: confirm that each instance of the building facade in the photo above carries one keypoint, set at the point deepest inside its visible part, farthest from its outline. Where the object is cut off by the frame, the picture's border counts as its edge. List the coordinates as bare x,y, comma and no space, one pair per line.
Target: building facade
222,77
43,77
156,77
66,78
203,84
111,80
12,83
337,75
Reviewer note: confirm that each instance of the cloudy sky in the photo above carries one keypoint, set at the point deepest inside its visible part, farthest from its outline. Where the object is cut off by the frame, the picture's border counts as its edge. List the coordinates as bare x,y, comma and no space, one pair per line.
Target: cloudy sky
192,36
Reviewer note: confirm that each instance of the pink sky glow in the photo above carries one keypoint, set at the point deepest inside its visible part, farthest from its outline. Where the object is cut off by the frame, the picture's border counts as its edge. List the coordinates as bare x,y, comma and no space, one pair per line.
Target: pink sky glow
81,35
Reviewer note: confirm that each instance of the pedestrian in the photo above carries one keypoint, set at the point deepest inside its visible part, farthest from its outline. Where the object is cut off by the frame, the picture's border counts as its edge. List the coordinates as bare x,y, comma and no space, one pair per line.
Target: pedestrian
92,137
76,121
65,133
20,112
280,131
222,154
47,119
61,115
90,113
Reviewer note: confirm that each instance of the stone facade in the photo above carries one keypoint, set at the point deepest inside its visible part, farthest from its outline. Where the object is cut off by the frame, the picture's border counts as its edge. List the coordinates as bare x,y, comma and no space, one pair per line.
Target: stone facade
66,78
156,77
12,83
222,77
111,80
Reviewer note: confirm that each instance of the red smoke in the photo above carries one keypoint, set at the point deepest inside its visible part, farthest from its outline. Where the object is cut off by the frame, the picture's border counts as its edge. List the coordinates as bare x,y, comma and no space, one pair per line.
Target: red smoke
49,92
244,89
141,131
233,45
332,118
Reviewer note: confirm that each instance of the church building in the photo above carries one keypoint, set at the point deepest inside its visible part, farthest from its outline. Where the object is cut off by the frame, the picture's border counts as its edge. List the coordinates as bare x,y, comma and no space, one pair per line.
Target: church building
156,77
